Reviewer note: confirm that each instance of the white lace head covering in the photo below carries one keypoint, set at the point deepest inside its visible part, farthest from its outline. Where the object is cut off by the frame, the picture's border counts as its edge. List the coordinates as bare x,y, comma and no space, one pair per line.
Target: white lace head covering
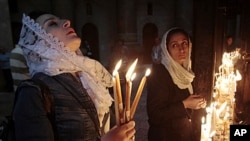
182,75
45,53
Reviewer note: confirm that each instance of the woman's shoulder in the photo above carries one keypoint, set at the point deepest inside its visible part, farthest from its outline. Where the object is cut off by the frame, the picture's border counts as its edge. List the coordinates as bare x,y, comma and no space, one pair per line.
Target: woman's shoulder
158,67
159,72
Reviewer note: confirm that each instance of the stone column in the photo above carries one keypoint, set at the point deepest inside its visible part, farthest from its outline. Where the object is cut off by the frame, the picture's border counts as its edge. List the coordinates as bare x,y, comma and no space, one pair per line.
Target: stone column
127,27
184,14
5,35
5,26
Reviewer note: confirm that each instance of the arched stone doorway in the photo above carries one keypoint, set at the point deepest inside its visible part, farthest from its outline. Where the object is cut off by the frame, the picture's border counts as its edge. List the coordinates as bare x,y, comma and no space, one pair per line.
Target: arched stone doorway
150,32
90,39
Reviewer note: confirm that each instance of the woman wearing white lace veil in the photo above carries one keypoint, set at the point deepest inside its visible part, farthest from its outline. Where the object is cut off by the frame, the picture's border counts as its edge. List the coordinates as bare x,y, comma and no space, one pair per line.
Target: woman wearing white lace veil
79,86
170,96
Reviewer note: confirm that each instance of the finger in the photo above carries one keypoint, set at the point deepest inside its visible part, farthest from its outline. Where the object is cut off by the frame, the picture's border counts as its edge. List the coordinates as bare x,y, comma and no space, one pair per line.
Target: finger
196,96
128,126
130,133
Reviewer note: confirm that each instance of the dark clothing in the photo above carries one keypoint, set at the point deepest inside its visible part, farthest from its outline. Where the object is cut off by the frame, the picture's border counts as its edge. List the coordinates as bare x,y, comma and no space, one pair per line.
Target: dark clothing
5,67
75,114
168,119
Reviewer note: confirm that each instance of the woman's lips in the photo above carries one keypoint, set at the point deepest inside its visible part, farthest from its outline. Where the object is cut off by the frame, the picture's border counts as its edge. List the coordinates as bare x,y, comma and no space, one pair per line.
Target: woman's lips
71,31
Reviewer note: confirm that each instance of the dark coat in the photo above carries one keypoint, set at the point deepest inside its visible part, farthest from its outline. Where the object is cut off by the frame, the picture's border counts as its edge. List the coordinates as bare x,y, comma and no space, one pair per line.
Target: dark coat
75,114
168,119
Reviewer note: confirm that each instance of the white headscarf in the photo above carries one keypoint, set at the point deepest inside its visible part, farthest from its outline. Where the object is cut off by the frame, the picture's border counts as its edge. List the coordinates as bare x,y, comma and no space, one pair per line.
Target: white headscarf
45,53
182,75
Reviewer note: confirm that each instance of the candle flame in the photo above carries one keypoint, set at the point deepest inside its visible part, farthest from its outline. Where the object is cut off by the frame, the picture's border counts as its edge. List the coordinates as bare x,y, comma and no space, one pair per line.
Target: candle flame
203,120
212,134
148,71
131,69
118,65
222,107
133,76
114,73
208,109
238,76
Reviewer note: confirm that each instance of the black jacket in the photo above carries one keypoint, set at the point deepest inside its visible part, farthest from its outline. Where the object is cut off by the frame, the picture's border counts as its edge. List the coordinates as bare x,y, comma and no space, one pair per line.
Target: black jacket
168,119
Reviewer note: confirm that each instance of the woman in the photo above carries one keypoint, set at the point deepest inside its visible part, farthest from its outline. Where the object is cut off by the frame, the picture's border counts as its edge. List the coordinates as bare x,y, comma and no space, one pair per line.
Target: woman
79,87
170,97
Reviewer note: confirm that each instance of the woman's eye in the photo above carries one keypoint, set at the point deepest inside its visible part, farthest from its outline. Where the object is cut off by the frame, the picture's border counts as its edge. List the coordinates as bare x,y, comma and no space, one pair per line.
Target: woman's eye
52,23
174,45
185,44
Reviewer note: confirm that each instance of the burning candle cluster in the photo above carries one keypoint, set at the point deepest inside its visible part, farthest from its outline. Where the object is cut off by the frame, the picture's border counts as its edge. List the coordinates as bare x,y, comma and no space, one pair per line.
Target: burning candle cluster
220,113
125,111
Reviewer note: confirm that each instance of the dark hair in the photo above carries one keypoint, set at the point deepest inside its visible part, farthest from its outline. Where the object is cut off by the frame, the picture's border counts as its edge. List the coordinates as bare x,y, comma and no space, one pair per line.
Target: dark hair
176,30
35,14
229,36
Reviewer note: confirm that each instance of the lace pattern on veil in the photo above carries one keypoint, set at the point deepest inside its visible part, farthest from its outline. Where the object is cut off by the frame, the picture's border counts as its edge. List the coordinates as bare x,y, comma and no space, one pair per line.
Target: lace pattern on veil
45,53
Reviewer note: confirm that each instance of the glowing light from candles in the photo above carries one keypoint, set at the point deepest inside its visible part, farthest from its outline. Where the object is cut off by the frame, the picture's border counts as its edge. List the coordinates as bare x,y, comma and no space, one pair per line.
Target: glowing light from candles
238,76
131,70
222,109
124,114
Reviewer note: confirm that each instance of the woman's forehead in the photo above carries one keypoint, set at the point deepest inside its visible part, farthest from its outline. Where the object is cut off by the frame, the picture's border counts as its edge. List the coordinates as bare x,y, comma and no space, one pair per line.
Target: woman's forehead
44,18
178,35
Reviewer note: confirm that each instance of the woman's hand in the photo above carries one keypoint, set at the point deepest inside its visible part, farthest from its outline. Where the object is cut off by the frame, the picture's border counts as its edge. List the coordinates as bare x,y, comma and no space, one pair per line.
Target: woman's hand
124,132
195,102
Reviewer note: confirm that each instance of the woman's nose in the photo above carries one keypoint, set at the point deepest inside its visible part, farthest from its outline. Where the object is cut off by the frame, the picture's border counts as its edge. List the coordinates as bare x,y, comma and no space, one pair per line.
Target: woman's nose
66,23
181,48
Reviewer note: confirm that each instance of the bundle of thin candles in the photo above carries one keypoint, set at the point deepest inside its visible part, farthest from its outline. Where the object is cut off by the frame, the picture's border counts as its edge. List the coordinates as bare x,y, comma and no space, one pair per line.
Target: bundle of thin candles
125,114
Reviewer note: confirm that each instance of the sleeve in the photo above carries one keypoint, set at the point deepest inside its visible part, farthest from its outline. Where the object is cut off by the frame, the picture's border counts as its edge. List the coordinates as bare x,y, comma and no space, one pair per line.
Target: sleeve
30,117
162,102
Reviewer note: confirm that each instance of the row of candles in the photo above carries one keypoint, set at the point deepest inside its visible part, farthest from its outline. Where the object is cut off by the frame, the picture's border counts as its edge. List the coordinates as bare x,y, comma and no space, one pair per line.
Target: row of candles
126,113
220,113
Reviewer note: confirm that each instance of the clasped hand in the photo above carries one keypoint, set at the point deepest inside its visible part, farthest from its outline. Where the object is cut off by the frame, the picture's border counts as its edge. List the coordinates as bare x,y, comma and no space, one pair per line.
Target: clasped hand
195,102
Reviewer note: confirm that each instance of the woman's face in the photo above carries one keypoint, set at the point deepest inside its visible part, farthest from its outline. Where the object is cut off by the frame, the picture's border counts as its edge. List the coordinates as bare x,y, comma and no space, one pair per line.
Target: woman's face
178,47
61,29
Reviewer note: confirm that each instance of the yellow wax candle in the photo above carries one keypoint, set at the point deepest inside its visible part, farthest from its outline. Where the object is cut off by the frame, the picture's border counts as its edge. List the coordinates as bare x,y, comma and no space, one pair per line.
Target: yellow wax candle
128,97
203,128
138,93
117,116
129,88
117,91
118,88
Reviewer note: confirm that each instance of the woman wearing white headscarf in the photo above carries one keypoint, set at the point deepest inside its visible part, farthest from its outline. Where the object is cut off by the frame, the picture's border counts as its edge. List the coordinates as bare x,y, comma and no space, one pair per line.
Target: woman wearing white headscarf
170,98
78,85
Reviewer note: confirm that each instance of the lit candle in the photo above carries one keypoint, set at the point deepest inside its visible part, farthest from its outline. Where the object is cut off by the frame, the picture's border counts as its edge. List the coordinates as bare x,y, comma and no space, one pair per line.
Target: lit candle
222,107
139,92
118,93
213,120
208,120
129,88
128,97
203,128
117,116
117,78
